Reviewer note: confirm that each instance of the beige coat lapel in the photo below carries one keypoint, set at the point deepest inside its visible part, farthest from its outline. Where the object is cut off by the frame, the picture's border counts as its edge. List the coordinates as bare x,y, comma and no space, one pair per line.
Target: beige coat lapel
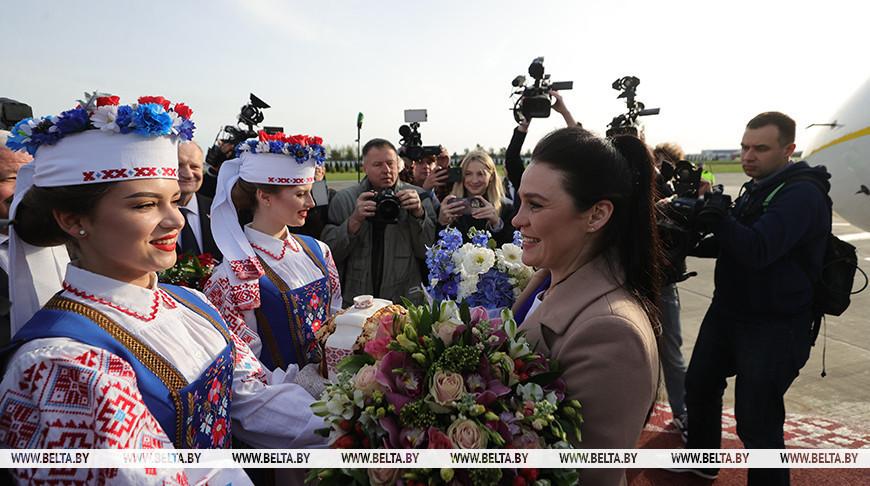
566,301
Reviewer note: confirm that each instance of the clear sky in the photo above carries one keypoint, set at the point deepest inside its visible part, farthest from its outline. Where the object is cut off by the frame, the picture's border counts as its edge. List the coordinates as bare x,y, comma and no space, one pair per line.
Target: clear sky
709,65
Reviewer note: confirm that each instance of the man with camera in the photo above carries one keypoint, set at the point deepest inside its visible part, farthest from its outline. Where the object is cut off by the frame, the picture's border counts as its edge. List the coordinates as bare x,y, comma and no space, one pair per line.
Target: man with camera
378,230
770,247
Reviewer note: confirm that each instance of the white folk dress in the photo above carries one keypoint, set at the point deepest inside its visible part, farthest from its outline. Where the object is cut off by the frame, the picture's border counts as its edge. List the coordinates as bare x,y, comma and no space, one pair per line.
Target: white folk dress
60,393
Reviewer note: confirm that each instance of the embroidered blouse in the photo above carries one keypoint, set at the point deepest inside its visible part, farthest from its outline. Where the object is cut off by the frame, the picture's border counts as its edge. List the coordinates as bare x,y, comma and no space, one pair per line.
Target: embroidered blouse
289,262
60,393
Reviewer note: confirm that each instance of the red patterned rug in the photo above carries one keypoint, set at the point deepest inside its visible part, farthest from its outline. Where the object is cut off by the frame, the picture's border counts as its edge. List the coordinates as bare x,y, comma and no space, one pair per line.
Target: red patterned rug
800,433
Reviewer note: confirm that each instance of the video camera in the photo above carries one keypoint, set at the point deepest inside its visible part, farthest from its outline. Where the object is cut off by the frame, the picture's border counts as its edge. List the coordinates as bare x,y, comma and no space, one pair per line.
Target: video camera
12,112
626,123
534,99
411,142
249,116
683,221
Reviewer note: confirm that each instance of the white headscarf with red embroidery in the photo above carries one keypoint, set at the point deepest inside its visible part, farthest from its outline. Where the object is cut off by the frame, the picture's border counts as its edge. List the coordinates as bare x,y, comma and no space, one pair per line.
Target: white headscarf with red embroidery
274,159
96,142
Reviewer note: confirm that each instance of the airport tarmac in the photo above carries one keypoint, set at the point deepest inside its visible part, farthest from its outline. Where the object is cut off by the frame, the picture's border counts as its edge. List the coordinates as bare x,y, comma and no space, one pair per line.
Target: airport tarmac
843,396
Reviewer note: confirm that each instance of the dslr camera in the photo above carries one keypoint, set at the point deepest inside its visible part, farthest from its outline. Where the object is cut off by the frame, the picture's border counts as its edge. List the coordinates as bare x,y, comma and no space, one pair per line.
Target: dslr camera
249,116
12,112
411,142
626,123
387,207
534,99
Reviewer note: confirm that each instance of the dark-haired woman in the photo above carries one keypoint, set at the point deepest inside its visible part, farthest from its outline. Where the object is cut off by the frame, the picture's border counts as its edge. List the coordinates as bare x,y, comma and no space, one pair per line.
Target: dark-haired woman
274,288
587,218
113,360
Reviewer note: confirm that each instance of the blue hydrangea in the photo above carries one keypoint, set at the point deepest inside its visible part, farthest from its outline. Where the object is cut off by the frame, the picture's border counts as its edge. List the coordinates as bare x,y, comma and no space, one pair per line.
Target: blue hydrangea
450,239
124,119
73,121
518,238
494,291
151,119
445,289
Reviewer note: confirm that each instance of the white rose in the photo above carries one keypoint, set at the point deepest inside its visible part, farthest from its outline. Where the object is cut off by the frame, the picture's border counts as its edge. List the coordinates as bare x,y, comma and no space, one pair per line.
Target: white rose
447,387
478,261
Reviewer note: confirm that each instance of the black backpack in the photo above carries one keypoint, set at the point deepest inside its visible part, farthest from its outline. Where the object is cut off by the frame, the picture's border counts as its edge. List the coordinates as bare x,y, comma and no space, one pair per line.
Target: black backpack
832,291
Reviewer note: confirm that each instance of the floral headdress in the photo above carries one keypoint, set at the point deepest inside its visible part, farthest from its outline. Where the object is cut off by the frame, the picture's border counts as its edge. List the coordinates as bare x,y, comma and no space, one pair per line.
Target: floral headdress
300,147
152,116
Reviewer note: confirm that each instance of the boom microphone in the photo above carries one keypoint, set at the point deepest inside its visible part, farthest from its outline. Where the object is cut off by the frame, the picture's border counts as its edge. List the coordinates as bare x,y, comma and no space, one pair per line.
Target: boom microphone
359,121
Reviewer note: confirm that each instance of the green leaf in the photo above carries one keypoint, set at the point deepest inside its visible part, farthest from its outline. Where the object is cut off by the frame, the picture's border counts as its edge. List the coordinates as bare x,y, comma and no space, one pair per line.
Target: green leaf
545,378
465,312
354,362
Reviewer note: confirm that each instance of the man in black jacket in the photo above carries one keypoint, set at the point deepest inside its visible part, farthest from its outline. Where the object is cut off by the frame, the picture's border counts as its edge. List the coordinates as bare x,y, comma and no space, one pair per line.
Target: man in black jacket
196,235
770,250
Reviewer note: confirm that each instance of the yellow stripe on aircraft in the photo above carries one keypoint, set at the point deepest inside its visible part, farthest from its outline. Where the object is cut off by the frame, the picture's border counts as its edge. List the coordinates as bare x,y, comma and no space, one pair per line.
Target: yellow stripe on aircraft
844,138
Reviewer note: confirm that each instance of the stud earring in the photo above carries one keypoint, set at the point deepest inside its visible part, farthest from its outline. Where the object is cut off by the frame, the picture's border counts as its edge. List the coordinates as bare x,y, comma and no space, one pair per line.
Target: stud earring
82,232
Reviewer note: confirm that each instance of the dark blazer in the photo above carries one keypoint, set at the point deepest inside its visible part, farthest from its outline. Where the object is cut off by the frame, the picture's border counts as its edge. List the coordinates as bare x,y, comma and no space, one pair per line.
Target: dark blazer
607,350
208,244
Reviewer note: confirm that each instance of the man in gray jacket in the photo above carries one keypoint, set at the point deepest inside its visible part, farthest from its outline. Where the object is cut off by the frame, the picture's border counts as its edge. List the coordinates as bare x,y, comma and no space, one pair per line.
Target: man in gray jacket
374,256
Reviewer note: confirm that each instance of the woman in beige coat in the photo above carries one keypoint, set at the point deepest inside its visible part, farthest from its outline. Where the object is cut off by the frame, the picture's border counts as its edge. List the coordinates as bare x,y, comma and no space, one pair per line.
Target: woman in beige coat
587,217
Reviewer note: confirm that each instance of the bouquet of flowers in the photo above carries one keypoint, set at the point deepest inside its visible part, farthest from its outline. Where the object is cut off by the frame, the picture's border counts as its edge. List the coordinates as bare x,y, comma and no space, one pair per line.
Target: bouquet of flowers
189,271
477,273
446,376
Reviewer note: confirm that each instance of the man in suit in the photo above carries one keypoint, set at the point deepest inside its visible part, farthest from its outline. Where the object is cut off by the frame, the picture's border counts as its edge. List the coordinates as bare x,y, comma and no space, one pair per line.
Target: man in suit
196,235
10,162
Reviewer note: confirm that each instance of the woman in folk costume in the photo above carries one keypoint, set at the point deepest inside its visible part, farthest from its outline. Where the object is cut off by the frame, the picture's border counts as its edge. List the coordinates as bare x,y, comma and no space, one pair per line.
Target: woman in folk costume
113,360
274,288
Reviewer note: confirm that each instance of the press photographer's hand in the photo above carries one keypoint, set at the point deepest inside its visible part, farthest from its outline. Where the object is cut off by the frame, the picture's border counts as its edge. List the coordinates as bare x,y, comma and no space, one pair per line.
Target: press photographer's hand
485,211
452,208
560,107
365,208
411,202
437,177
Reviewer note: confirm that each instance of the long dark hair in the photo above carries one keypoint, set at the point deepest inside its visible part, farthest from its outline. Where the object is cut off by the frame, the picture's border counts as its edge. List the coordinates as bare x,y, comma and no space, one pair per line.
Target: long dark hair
34,219
244,196
619,170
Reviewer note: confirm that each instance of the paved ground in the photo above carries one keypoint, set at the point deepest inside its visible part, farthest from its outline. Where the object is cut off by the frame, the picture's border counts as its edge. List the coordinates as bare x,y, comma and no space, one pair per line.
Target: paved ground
843,396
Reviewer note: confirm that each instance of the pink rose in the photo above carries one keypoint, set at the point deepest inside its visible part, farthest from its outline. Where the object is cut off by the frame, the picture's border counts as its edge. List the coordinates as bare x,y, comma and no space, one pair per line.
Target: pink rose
364,380
377,347
466,434
383,476
479,314
444,330
447,387
438,439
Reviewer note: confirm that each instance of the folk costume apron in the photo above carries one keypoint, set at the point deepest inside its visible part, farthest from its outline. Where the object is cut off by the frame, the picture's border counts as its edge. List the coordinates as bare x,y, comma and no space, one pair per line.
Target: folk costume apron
287,318
194,415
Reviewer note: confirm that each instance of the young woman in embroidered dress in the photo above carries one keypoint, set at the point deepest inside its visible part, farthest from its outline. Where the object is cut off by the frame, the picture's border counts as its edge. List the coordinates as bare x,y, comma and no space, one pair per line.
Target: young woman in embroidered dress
114,360
274,288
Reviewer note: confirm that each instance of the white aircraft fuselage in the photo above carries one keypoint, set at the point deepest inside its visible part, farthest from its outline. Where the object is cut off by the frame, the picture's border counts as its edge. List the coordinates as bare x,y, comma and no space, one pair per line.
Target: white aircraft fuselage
845,150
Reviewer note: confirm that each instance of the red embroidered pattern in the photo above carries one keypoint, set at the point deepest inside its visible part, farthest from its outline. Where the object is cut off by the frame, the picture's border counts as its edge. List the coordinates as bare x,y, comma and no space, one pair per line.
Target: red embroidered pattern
291,180
112,174
288,243
154,307
247,269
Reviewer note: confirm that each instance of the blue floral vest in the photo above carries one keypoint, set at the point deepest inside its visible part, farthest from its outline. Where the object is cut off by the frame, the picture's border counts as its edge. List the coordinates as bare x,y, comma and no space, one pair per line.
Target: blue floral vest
194,415
287,318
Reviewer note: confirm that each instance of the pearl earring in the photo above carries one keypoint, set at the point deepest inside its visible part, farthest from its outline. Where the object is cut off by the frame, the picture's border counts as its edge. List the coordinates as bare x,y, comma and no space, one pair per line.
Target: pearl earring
82,232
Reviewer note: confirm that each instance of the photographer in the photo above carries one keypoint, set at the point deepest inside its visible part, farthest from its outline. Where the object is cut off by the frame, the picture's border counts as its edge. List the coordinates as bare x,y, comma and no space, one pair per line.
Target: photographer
378,230
513,161
671,339
478,201
771,245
